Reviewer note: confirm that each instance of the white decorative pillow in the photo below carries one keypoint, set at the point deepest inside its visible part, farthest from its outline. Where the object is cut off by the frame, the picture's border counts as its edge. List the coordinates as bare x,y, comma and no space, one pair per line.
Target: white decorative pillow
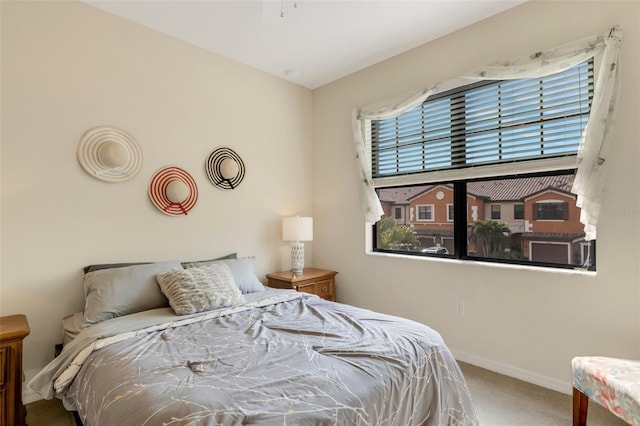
242,269
200,289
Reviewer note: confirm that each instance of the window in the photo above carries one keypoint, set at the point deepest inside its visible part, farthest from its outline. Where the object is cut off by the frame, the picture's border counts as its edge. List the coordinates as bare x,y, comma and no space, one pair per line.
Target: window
425,212
450,213
518,211
495,211
543,242
398,213
551,210
511,131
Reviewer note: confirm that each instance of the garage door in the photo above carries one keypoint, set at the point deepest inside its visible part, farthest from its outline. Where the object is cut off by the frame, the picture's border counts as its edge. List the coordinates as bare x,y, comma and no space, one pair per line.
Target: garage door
552,253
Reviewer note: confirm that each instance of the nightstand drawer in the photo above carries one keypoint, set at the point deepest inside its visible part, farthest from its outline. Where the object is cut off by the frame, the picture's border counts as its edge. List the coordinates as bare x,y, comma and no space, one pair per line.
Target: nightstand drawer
13,330
4,360
307,288
324,289
320,282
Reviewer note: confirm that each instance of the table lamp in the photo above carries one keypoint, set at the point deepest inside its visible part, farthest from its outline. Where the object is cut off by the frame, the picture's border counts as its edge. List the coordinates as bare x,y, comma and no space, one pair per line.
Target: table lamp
297,229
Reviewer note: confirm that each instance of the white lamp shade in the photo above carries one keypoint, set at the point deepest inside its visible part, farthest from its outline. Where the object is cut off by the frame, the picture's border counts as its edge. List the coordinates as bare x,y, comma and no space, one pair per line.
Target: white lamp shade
297,228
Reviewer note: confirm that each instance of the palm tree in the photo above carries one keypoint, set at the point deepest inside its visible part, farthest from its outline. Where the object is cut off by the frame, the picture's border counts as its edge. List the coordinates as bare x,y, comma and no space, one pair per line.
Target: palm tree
490,234
394,236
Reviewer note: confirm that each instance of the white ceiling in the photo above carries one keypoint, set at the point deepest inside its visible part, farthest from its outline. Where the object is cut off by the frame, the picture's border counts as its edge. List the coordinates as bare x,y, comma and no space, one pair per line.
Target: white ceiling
317,41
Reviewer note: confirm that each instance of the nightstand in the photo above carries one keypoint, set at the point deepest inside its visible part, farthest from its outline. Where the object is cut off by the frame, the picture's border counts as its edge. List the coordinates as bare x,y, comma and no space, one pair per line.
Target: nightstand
312,280
13,330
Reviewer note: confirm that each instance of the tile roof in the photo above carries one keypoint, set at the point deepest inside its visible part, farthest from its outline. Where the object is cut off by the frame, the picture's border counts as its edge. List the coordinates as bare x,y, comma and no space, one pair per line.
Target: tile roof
401,195
495,190
517,189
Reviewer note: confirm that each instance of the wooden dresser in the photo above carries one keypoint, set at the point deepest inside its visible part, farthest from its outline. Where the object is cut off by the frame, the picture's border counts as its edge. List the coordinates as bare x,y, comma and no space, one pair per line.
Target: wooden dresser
13,330
312,280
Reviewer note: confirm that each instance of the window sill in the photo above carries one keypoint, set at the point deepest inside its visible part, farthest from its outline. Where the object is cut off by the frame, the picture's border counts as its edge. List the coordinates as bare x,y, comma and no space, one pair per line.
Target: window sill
487,265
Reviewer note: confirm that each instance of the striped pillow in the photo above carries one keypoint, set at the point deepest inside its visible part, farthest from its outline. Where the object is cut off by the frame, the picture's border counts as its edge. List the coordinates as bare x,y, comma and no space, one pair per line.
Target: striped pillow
200,289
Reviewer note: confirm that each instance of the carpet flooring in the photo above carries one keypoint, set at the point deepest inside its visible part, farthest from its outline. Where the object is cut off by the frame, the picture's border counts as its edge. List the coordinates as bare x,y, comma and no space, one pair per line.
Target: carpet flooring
499,401
505,401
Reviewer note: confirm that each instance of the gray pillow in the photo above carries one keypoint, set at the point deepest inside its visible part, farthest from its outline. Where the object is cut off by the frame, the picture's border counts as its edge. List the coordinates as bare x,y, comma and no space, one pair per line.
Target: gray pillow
99,266
200,289
197,263
115,292
92,268
242,269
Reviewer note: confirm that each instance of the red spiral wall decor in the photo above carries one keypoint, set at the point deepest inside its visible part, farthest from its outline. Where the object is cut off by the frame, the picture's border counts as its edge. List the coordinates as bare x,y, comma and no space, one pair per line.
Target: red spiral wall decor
182,194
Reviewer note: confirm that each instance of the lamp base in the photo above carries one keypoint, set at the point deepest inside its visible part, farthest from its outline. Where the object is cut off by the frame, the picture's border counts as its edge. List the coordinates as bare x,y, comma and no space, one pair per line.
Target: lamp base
297,257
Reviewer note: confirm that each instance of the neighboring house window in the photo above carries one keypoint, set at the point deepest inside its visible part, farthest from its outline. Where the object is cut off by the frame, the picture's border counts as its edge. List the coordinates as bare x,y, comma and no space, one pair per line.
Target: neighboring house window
450,213
551,210
398,213
518,211
492,140
425,212
495,211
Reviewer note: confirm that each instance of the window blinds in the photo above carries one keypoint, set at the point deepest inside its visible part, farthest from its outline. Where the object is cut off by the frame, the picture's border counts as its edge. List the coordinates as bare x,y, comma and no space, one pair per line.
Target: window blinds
487,123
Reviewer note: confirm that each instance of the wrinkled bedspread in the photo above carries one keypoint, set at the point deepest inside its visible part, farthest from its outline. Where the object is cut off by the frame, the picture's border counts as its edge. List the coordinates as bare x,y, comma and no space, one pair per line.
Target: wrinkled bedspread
297,361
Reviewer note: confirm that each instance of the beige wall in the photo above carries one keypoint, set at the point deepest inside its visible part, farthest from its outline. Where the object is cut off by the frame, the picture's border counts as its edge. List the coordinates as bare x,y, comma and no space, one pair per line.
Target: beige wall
67,67
525,322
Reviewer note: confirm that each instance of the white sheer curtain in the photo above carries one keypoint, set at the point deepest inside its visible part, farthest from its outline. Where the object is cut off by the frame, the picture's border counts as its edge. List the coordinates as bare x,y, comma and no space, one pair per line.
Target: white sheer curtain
596,139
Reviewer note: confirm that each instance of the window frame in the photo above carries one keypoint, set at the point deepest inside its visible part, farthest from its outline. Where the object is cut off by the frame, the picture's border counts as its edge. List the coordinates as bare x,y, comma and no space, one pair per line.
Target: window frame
460,227
515,216
460,172
397,216
563,210
496,214
450,213
432,211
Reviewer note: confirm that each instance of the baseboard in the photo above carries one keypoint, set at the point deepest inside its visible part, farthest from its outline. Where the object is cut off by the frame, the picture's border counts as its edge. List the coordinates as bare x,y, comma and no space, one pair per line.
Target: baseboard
29,396
515,372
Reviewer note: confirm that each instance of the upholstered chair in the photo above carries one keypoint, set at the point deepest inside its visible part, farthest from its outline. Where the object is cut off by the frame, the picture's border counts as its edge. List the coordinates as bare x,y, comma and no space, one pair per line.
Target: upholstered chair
611,382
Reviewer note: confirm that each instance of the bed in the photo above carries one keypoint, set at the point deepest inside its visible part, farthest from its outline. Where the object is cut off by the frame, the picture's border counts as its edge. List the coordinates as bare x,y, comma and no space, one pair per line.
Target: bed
273,357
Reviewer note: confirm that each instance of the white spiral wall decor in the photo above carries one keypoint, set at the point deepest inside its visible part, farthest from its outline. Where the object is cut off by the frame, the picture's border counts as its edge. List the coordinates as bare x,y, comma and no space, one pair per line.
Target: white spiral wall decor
109,154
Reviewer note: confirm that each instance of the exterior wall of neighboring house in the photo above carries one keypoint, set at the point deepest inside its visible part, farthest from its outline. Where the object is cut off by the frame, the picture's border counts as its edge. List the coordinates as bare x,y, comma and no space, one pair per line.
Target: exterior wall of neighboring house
569,224
507,215
439,229
438,197
553,240
387,207
391,209
475,209
401,213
